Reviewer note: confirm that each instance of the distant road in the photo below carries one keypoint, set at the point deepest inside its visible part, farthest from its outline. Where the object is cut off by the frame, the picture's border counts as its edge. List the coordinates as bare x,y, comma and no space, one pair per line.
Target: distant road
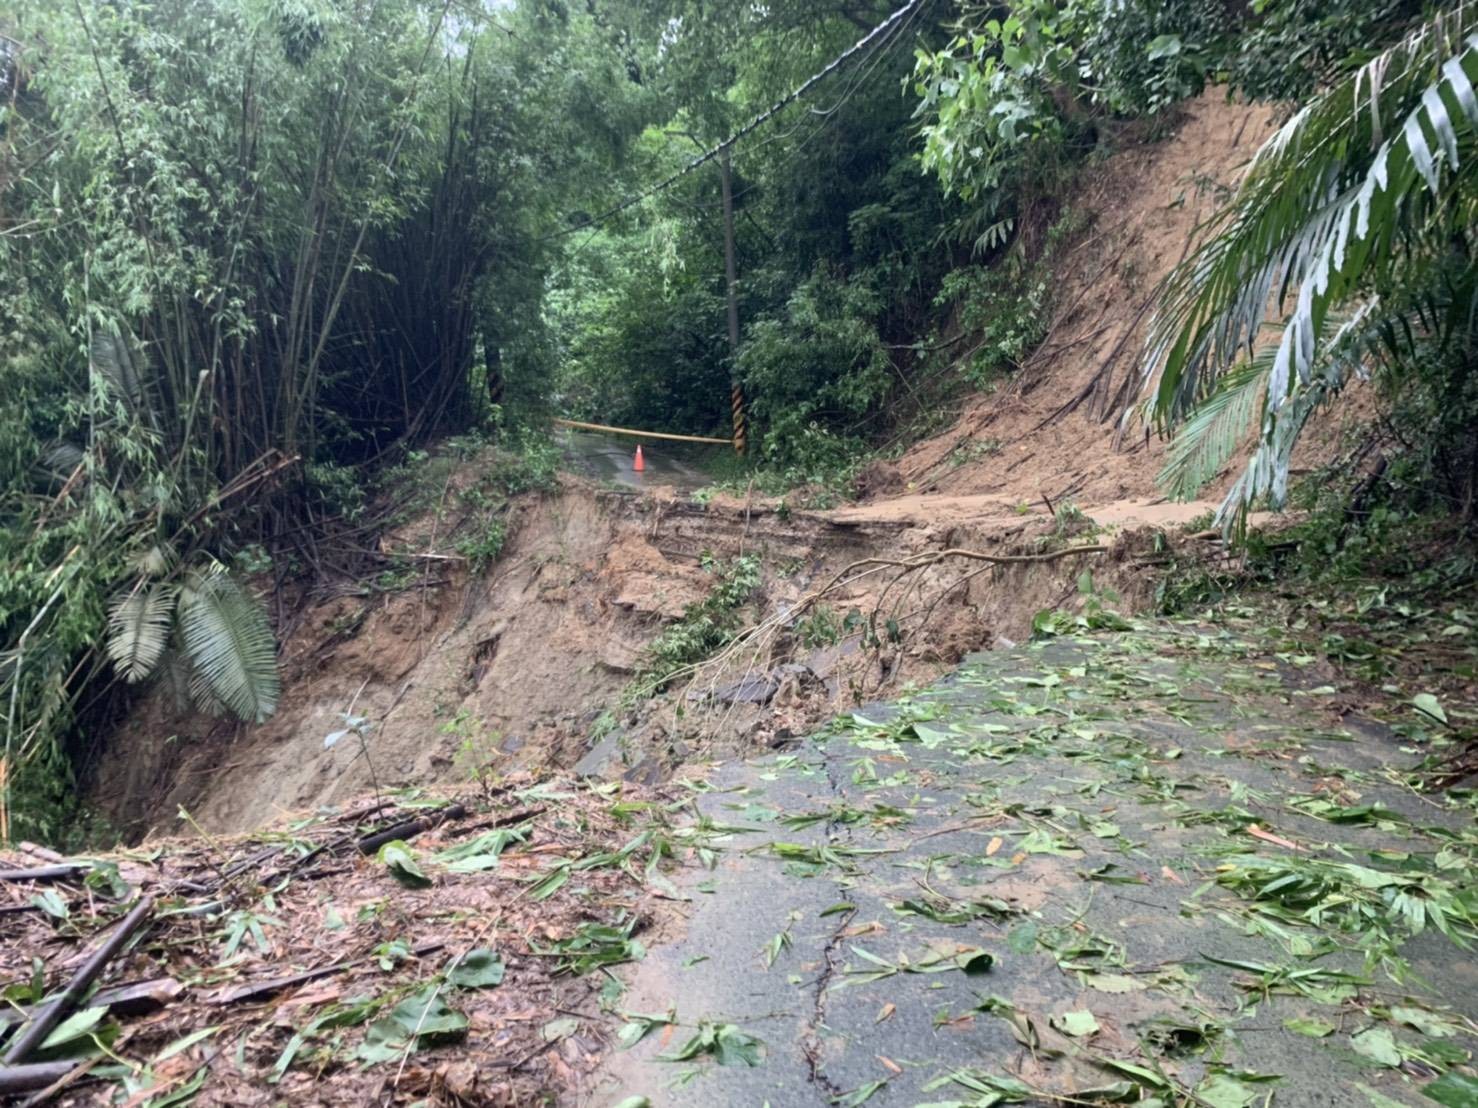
609,458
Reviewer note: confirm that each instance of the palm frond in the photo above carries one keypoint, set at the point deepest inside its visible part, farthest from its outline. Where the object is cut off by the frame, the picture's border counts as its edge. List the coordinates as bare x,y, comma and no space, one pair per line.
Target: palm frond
1362,189
112,360
1347,344
1209,438
1329,199
139,623
230,645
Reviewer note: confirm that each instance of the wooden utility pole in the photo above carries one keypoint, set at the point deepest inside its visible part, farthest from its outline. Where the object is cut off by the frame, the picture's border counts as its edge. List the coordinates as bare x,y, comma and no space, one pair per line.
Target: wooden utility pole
736,389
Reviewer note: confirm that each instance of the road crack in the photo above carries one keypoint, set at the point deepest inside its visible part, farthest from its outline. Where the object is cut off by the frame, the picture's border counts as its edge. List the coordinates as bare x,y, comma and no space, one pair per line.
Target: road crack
811,1042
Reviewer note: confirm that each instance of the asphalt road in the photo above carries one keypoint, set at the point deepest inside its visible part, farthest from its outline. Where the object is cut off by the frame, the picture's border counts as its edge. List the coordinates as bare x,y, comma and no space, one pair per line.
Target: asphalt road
1018,886
610,458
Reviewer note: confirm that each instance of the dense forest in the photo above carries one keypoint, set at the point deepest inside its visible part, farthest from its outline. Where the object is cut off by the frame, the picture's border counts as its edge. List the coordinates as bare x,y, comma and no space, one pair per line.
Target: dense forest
257,252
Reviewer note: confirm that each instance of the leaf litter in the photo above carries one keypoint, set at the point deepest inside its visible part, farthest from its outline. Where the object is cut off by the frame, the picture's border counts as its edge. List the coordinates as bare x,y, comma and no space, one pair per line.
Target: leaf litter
466,959
1259,922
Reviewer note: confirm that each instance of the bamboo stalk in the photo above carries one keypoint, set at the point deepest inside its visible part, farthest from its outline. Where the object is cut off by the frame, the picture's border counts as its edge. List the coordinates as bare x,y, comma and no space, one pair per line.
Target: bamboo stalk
371,843
49,1015
23,1079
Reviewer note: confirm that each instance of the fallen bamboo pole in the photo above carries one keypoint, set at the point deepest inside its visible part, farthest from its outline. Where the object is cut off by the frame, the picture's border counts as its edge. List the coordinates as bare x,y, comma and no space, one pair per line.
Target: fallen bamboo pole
575,423
24,1079
49,1015
44,873
137,999
261,989
371,843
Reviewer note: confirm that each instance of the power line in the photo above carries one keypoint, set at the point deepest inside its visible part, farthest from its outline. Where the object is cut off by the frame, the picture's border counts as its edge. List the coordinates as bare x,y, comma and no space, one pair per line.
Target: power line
882,30
824,115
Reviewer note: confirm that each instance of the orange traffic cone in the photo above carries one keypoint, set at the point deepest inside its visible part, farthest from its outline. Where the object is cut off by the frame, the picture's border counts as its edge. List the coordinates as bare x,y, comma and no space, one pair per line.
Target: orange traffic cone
640,463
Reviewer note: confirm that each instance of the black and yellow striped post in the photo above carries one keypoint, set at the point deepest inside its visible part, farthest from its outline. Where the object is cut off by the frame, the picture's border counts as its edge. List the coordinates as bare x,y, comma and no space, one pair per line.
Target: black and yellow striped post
736,399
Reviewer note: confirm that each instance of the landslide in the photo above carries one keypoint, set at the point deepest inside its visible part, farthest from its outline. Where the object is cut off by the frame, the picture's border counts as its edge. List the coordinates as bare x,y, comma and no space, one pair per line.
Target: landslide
463,673
1051,434
460,670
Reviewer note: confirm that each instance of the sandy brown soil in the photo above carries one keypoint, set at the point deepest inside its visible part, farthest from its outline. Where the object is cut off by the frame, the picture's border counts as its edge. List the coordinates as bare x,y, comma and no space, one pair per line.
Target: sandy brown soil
1052,428
1054,422
464,672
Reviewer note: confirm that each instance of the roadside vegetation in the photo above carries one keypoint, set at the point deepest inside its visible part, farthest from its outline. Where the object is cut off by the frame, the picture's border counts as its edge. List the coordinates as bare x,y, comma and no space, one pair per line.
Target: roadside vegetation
265,253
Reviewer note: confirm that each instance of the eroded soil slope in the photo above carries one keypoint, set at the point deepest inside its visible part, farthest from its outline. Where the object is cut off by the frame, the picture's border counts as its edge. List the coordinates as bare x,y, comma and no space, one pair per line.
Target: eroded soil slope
461,669
462,672
1049,435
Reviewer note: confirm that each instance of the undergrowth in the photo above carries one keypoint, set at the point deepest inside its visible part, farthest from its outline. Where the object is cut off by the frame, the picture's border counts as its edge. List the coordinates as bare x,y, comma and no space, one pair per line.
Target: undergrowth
1386,599
705,627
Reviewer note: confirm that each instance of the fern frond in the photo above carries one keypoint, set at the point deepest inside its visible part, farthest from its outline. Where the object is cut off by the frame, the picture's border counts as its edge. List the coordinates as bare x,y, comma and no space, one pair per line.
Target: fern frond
138,629
230,645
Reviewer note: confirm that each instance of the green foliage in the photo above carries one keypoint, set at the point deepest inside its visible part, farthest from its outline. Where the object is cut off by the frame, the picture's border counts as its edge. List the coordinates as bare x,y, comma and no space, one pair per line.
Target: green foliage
820,360
823,627
704,628
1289,49
482,549
986,96
836,242
249,249
224,639
1346,222
529,463
1005,309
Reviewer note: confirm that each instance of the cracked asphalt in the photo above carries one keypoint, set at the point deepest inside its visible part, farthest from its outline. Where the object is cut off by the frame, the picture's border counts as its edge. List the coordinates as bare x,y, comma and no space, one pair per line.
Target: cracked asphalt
1100,869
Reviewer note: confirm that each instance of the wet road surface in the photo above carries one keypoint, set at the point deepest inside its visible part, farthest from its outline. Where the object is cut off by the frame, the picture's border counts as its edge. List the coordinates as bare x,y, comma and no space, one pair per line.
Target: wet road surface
610,457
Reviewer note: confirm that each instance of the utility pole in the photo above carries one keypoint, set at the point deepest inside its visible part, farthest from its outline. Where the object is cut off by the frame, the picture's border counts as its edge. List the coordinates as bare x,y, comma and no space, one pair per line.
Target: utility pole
736,389
731,287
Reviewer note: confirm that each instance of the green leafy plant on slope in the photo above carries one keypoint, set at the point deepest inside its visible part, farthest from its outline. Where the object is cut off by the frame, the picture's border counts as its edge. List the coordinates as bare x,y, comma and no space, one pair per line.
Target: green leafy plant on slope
1351,227
219,631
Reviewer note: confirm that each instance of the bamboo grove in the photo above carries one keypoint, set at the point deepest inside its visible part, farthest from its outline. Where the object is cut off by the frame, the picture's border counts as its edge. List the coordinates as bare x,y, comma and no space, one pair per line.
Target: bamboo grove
247,243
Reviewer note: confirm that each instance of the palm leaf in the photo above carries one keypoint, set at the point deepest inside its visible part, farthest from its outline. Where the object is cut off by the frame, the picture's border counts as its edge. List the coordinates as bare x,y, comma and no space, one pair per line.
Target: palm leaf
1359,190
1325,201
230,645
138,629
113,361
1212,434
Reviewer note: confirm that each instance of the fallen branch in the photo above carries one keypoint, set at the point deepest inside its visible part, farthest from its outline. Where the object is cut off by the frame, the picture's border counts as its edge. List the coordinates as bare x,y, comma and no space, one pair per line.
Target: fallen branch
261,989
76,1073
919,561
371,843
756,638
49,1015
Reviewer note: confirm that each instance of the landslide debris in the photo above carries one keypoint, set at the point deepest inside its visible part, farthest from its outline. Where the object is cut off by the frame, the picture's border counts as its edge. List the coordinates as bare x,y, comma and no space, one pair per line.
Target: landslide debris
409,949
